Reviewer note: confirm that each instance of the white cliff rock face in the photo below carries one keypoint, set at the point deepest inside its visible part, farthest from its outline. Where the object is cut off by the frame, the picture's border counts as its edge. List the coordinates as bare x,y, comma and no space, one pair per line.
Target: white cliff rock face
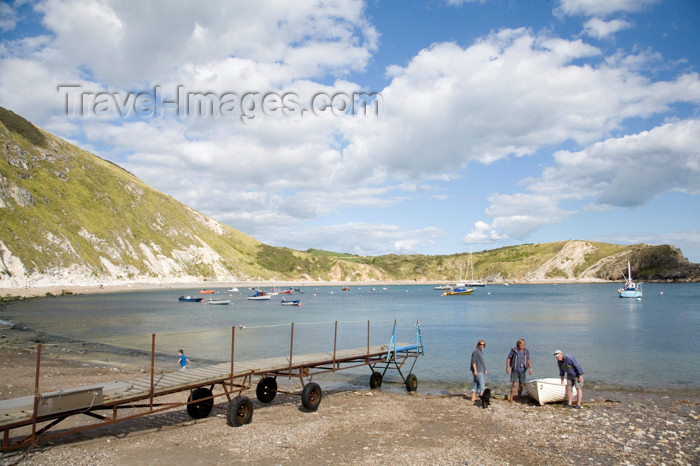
571,257
10,266
159,268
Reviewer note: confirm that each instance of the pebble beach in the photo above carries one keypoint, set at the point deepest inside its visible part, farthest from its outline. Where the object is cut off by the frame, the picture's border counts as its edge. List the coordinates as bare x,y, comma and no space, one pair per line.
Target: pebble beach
362,427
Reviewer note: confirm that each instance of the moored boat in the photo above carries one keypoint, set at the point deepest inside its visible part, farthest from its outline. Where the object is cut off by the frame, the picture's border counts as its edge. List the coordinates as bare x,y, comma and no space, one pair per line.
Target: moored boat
260,296
549,390
631,289
206,292
233,290
290,302
223,302
458,292
189,299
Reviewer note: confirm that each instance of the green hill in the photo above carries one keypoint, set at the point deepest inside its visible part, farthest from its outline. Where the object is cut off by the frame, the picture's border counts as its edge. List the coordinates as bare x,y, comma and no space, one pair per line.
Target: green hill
70,217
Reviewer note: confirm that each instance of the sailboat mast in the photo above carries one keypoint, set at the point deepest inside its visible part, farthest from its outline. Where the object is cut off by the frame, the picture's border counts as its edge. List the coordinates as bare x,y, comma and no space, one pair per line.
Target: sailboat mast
629,271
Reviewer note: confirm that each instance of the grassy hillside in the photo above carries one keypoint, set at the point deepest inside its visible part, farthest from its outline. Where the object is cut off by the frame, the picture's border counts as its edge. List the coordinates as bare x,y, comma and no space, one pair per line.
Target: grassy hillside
63,207
67,215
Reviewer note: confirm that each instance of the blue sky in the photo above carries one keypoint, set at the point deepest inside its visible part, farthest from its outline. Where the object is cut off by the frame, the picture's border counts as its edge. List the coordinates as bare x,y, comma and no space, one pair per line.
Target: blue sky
500,122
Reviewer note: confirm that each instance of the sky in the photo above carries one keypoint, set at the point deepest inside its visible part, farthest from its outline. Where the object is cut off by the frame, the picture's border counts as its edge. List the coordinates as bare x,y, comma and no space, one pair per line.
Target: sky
380,127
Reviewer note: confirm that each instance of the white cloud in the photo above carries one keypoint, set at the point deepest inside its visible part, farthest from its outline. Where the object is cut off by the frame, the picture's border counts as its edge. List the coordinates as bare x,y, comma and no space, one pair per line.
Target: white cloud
129,45
600,7
615,173
8,17
367,238
511,93
599,29
630,170
482,232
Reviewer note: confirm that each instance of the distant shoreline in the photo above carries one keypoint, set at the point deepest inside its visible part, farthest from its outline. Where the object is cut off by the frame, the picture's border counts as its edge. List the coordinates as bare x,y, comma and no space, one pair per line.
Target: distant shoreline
57,290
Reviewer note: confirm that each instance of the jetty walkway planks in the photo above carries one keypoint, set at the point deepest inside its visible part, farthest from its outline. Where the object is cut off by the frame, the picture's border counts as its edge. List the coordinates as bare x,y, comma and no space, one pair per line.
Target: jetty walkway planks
234,378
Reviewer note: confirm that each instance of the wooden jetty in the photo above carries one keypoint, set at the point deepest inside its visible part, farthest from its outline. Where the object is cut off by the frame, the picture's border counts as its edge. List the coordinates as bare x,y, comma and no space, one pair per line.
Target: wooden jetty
119,401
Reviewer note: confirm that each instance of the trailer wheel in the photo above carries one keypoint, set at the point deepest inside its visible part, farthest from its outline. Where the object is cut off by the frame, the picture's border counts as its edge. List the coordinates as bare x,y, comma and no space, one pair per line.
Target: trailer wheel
239,412
375,380
200,409
311,396
266,389
411,382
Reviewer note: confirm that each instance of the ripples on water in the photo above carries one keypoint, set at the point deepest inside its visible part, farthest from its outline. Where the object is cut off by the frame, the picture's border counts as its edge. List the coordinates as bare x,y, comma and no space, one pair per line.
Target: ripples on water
621,343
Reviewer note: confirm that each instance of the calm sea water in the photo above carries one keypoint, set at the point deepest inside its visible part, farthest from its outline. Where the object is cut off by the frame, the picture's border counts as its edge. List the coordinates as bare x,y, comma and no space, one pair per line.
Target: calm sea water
622,343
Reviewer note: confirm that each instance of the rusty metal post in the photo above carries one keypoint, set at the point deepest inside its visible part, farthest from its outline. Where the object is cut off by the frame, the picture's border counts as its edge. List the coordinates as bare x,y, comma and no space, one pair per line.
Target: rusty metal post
335,343
367,357
291,348
36,392
153,369
233,341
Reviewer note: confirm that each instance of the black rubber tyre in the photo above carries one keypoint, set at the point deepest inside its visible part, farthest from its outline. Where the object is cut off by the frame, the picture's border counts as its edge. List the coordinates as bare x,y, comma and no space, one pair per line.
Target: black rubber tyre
311,396
375,380
239,412
200,409
411,382
266,389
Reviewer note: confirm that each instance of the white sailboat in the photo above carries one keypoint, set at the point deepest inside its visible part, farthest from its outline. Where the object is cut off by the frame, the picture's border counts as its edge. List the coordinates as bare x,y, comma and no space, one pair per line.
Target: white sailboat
631,289
473,283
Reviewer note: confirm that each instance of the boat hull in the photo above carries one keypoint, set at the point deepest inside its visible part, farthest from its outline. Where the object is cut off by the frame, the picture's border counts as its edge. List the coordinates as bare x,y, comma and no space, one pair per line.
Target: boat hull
630,293
188,299
549,390
219,302
459,292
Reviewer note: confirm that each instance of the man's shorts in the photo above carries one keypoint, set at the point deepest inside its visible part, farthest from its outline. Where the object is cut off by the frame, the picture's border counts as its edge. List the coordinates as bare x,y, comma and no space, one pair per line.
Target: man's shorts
518,376
574,382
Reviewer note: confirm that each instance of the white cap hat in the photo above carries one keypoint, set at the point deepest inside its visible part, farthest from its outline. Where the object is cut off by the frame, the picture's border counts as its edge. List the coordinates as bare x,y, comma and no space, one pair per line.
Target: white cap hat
558,352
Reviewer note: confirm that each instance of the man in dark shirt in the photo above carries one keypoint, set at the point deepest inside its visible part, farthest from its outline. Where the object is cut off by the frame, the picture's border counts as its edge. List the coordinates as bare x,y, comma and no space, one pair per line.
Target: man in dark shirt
569,366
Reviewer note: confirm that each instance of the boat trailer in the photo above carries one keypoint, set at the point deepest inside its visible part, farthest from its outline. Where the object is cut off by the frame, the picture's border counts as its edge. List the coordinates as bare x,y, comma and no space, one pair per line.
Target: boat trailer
30,418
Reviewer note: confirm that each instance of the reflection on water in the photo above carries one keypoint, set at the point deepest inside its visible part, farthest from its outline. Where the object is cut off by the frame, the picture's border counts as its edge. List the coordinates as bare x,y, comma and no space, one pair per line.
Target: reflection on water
619,342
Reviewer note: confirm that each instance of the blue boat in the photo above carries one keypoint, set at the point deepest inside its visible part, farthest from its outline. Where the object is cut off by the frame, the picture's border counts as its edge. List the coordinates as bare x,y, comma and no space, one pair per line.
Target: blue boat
631,289
189,299
290,302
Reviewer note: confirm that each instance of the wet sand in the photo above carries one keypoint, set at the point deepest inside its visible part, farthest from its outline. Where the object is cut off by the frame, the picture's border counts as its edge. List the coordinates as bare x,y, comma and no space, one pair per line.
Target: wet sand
360,427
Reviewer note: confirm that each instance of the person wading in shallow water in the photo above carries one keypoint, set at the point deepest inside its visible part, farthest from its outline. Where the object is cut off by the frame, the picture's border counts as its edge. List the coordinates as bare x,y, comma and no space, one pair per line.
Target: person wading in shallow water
478,369
517,365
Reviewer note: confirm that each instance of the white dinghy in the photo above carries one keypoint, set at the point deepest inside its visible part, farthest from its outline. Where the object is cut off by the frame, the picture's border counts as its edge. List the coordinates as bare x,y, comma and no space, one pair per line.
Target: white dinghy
548,390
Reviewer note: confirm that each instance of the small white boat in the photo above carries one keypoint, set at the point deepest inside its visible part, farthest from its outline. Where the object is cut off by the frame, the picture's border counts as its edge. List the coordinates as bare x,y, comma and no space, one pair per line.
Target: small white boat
222,302
233,290
547,390
260,296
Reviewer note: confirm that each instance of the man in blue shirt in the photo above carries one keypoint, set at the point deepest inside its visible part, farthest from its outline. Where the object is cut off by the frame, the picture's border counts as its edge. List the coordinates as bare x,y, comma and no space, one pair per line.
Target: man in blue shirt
569,366
517,365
